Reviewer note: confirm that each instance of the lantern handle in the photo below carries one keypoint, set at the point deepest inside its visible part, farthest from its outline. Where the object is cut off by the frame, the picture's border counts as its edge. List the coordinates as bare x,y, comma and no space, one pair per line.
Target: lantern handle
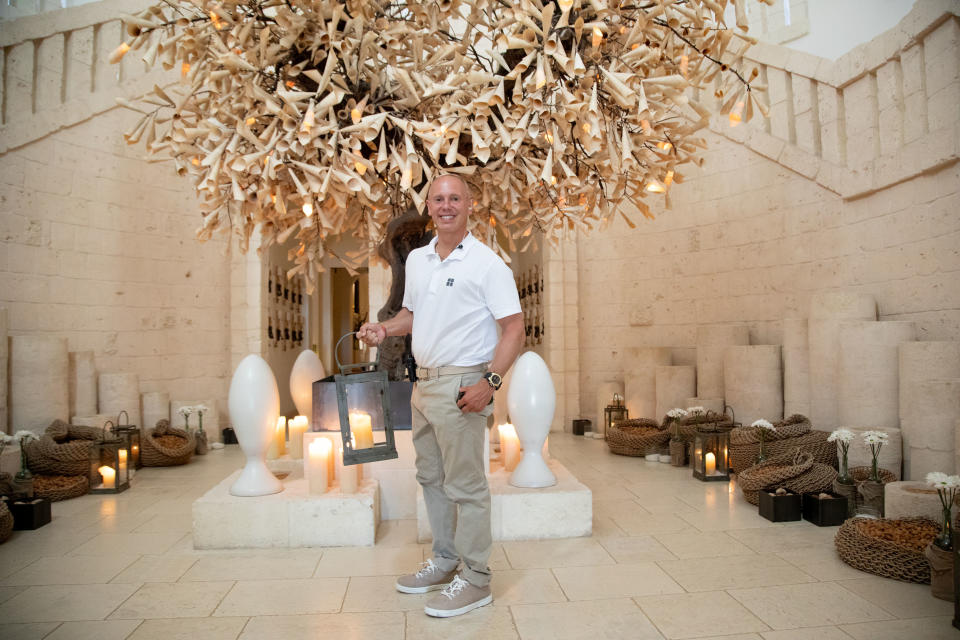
359,365
103,435
123,412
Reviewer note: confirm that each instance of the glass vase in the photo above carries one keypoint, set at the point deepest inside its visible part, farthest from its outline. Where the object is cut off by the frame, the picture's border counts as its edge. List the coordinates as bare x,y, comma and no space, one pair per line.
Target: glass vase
944,539
763,454
24,473
844,476
874,471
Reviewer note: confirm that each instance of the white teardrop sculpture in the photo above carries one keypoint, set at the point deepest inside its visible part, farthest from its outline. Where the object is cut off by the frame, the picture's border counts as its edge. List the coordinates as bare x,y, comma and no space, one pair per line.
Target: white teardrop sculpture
254,405
531,400
306,370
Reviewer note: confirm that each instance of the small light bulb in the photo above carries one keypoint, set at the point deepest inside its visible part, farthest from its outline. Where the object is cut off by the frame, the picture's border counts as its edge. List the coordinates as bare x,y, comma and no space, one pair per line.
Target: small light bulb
565,4
655,187
251,121
736,116
360,167
548,137
597,37
586,127
669,179
195,161
553,179
355,115
307,209
184,69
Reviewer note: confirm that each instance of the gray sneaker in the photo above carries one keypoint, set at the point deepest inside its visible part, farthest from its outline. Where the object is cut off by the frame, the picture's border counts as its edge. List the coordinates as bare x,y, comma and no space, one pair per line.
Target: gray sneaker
428,578
458,598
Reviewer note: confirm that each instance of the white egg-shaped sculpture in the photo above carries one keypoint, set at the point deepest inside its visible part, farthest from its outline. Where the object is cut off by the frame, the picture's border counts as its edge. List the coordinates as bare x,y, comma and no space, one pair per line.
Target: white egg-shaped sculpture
307,369
254,404
532,400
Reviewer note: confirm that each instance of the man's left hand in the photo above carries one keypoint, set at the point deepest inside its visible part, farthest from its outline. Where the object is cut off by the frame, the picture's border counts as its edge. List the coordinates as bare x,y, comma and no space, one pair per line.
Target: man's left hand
475,397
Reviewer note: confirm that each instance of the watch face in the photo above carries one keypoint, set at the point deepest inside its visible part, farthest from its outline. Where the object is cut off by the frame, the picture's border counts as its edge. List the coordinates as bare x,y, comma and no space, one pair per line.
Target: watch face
494,379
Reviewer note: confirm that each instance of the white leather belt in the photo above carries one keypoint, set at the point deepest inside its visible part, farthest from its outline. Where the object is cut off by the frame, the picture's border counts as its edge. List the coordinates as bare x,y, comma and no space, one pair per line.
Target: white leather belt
432,373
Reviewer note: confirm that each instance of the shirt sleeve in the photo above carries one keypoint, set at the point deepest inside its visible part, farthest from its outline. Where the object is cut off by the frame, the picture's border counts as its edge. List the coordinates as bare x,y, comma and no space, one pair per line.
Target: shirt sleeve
409,295
500,290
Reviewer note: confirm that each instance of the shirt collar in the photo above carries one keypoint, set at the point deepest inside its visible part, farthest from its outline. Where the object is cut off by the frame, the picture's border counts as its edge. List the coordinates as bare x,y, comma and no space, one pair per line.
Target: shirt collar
458,253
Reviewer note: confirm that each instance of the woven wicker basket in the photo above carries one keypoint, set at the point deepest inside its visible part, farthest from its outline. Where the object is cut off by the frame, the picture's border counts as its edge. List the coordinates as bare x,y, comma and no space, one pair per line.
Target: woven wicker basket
153,453
687,430
882,557
66,487
861,474
636,437
63,450
743,453
6,522
796,471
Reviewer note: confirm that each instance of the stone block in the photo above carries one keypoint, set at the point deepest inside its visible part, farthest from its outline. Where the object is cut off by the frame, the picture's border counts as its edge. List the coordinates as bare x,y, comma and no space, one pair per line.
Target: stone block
942,109
753,382
908,499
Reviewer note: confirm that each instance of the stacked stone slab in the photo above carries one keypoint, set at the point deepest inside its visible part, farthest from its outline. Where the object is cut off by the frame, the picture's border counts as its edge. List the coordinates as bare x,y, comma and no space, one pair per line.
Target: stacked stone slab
640,380
909,499
83,384
709,404
4,368
929,406
868,385
827,312
118,392
156,407
674,385
753,382
712,340
39,382
796,367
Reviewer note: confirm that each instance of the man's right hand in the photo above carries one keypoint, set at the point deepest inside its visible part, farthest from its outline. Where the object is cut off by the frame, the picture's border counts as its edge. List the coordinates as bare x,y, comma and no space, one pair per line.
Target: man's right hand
372,333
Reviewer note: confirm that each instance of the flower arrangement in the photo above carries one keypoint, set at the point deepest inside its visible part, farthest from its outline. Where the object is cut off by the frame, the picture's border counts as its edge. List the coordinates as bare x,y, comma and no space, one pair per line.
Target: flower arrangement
673,418
201,409
947,487
23,437
875,440
763,427
696,411
843,438
185,412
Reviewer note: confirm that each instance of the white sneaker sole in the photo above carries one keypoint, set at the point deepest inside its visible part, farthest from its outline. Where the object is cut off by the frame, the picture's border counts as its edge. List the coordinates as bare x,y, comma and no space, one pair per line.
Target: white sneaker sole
449,613
433,587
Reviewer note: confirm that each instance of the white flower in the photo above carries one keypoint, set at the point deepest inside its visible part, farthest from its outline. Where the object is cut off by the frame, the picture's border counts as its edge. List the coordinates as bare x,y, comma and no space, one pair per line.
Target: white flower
6,439
875,437
24,434
697,410
201,408
953,482
937,479
841,435
763,424
185,411
676,414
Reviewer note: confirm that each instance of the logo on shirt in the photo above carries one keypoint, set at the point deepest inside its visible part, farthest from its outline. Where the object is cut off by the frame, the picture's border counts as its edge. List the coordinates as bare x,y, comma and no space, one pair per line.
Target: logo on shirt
449,282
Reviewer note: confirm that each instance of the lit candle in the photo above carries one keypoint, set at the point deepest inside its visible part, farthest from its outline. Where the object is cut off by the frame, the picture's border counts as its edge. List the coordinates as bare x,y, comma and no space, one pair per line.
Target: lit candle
316,465
348,477
281,434
509,446
362,429
331,464
123,463
109,475
298,427
710,462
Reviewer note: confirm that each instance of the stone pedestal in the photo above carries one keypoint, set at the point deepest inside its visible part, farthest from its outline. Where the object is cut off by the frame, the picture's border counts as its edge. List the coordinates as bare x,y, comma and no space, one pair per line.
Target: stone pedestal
39,382
564,510
927,412
640,380
711,342
796,367
674,386
95,420
868,379
289,519
83,384
753,382
908,498
120,392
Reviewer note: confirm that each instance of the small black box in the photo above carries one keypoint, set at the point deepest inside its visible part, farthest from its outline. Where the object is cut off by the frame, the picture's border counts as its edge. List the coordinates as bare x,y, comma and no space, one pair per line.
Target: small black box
579,426
229,436
30,514
783,508
825,512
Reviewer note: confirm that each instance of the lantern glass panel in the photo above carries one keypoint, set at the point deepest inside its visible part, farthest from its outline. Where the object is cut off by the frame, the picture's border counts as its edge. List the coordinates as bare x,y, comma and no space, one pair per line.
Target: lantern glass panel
131,439
109,467
710,455
363,402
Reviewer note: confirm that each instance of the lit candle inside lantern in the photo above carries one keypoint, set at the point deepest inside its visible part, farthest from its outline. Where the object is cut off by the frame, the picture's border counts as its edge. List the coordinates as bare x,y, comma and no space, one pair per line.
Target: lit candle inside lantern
298,427
710,463
509,446
331,465
122,454
349,480
281,434
362,429
316,465
109,475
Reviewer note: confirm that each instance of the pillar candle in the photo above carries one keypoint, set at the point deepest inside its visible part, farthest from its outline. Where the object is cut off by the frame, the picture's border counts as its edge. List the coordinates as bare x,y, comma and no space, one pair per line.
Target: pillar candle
348,477
316,465
123,463
331,464
509,446
362,429
298,427
710,463
109,475
281,438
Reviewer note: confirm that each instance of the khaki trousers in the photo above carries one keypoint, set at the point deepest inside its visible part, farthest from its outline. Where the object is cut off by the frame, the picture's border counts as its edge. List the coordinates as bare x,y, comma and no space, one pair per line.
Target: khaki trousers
449,446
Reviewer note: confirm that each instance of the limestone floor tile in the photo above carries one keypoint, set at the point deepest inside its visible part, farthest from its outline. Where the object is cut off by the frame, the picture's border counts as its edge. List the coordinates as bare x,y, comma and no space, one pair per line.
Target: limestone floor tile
822,563
8,592
613,619
377,593
603,492
396,533
167,523
283,597
94,630
156,569
363,561
120,523
79,521
634,549
345,626
49,603
613,508
498,558
656,502
26,546
567,552
520,586
735,636
189,629
486,623
914,629
727,572
615,581
606,527
253,565
109,544
170,506
902,599
691,615
26,630
70,570
697,544
808,605
809,633
723,519
638,524
173,600
11,562
786,537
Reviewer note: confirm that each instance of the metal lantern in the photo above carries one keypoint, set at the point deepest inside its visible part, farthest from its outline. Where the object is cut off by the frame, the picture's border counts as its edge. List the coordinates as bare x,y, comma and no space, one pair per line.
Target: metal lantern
109,463
363,402
614,413
130,434
710,460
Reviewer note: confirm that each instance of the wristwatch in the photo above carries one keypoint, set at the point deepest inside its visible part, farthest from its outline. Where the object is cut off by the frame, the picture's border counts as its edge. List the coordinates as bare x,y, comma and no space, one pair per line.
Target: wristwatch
493,379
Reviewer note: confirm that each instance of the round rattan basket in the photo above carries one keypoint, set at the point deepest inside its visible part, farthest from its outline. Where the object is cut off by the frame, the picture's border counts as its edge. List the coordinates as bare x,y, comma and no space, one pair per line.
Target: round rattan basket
687,429
155,452
881,557
56,488
636,437
62,450
6,522
792,433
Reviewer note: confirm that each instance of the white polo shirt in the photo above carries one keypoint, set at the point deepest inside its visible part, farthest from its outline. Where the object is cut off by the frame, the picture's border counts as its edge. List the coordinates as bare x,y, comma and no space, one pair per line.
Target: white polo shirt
456,303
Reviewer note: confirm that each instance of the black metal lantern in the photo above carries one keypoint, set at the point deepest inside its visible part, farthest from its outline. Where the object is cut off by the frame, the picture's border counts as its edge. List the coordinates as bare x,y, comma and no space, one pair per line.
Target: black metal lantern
710,460
130,434
109,463
614,413
363,402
